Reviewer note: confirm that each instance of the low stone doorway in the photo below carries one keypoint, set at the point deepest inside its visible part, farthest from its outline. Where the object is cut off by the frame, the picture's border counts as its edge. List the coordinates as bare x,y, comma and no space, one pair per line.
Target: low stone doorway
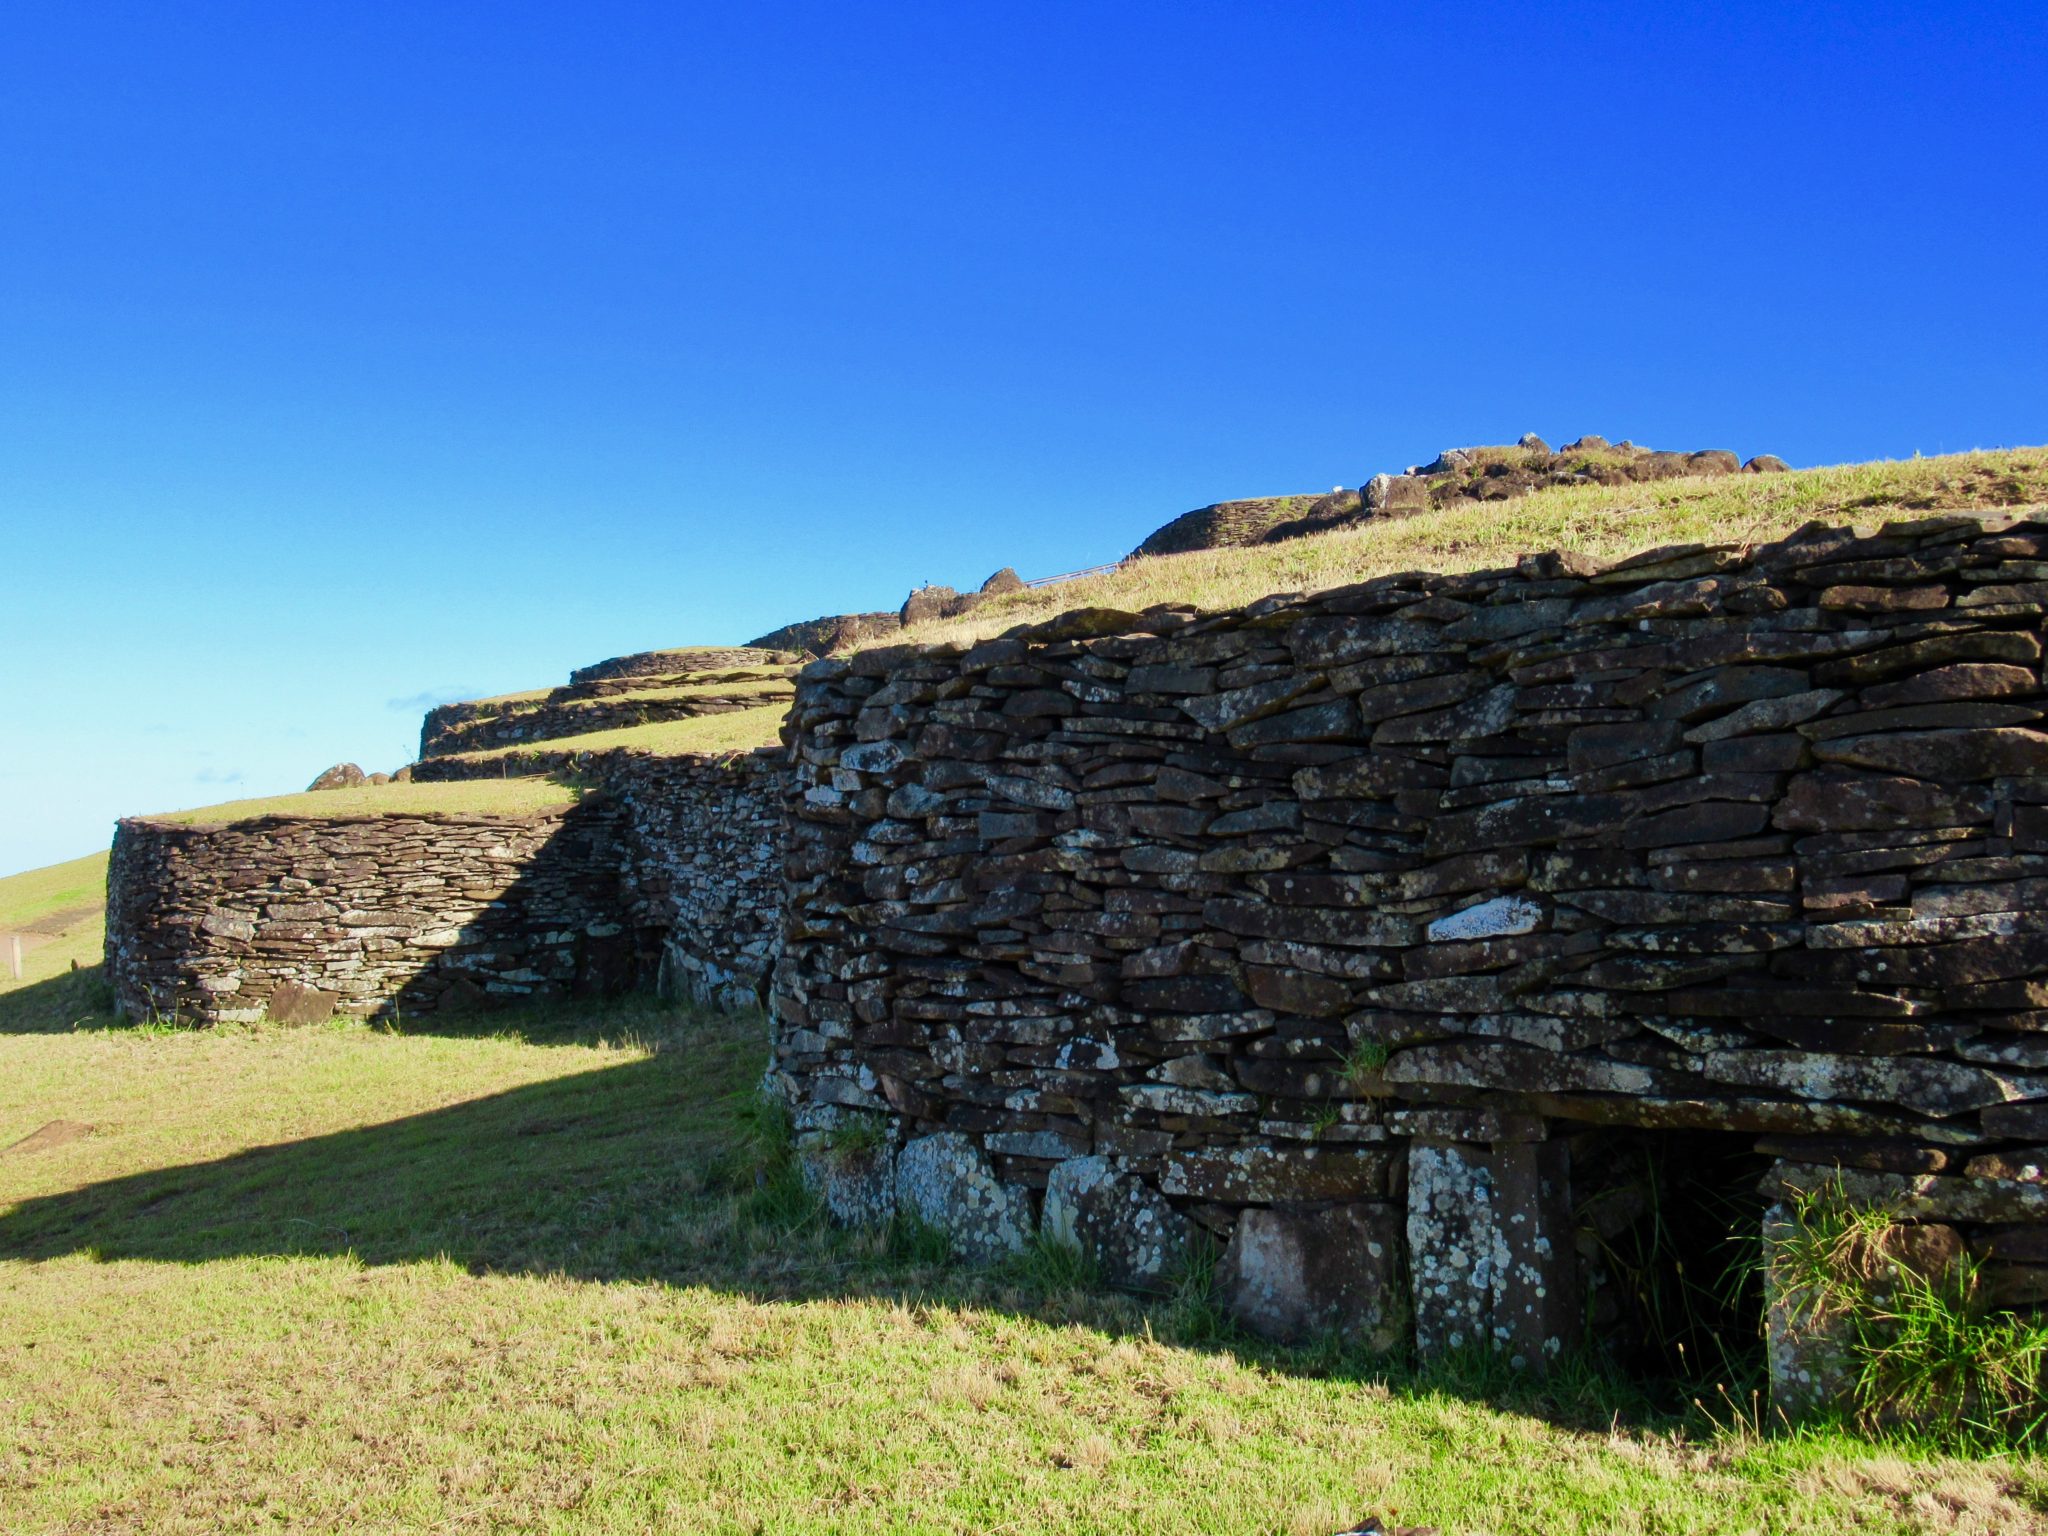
1668,1228
1552,1236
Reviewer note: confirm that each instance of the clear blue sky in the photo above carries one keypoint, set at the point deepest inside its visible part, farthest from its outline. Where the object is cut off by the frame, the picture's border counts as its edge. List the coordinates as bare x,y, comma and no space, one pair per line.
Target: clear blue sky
355,354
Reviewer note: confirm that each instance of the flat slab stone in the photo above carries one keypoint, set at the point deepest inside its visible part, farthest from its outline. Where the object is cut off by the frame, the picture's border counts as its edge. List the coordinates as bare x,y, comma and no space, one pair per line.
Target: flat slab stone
292,1003
856,1184
1490,1250
1295,1276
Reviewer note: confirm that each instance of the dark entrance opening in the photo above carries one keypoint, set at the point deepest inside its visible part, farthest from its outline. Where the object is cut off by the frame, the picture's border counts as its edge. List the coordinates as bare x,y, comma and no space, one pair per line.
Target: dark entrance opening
1668,1226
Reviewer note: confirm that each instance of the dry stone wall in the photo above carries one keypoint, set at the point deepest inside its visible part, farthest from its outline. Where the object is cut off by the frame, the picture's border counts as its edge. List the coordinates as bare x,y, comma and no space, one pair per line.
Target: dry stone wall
1350,925
687,659
703,857
669,870
365,915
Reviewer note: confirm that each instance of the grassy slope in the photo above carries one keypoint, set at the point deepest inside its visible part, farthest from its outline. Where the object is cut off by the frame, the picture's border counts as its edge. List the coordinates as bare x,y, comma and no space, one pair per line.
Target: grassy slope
736,730
1605,522
546,1276
60,913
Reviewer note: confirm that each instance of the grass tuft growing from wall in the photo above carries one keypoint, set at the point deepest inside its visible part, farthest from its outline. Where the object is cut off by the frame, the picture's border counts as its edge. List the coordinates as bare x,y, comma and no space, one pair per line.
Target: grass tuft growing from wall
1925,1347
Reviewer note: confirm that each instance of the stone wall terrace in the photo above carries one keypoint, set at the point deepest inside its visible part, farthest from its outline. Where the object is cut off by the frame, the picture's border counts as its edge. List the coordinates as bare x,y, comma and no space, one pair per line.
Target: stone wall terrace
445,731
669,870
1343,925
365,915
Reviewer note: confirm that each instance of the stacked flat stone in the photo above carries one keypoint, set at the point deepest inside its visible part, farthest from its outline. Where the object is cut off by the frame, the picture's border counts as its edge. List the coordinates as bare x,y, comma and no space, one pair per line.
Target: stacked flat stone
1320,923
302,917
699,658
702,874
669,871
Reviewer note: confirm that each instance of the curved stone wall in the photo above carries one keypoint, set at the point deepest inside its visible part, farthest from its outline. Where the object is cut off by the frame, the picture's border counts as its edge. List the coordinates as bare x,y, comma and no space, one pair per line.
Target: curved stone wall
301,917
1339,925
669,871
695,658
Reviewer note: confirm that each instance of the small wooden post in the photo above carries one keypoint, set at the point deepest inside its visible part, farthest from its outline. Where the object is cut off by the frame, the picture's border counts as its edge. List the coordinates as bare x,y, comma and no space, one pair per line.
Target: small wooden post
14,954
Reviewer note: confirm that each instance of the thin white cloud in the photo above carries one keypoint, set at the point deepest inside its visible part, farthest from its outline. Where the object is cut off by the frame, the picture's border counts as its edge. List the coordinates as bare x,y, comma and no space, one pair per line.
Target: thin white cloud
419,703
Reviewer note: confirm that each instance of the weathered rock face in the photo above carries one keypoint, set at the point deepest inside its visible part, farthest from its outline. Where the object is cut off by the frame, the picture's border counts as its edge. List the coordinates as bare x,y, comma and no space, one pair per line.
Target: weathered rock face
840,632
947,1182
340,776
833,632
673,871
1254,906
1487,1233
1131,1234
1296,1276
1256,520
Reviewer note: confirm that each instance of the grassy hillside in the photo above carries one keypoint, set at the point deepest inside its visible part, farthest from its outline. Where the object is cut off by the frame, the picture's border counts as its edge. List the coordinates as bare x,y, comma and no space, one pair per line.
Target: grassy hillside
1604,522
553,1275
59,913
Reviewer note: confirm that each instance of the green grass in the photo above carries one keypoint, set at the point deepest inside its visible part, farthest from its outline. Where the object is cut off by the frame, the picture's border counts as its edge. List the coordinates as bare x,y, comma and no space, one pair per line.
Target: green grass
1604,522
477,797
552,1273
1926,1347
737,730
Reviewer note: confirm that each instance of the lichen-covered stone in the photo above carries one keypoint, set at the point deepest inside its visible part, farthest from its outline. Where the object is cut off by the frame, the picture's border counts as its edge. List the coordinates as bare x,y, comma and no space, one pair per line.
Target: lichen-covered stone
849,1162
1132,1235
1295,1276
946,1181
1490,1250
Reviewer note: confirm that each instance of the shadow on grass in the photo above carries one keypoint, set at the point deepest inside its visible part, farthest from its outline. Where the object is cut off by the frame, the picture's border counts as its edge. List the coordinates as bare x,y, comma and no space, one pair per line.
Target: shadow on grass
664,1169
77,999
83,1000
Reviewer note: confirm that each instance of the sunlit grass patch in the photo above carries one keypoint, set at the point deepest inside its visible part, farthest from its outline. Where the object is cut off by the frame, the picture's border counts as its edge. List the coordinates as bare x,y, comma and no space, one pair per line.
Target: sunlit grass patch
1602,522
471,797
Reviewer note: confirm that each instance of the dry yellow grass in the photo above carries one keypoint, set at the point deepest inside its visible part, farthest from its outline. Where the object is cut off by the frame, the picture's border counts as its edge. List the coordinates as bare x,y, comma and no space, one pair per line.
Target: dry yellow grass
1603,522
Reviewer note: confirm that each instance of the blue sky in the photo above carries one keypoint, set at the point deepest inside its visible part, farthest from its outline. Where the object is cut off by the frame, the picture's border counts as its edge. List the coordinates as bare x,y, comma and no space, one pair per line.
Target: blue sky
356,356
